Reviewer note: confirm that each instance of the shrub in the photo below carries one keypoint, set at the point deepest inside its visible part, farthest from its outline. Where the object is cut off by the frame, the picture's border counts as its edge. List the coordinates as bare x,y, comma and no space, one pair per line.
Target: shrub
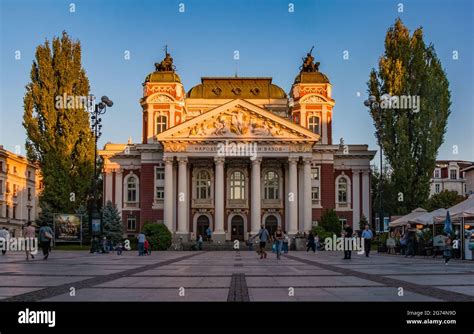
322,233
330,222
158,236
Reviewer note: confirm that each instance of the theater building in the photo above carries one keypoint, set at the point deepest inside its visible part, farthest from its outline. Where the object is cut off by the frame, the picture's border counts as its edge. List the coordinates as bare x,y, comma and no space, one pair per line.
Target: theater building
233,153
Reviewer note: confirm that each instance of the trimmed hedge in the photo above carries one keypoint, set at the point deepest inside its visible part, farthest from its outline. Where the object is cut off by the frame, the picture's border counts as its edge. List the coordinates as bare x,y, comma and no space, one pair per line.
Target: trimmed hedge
158,236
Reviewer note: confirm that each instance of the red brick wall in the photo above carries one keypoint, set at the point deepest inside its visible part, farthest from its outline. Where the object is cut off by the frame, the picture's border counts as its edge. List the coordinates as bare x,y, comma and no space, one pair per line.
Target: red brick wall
147,185
327,186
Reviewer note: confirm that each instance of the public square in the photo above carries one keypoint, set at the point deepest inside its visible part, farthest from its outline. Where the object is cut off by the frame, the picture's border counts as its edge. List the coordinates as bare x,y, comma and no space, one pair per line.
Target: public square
233,276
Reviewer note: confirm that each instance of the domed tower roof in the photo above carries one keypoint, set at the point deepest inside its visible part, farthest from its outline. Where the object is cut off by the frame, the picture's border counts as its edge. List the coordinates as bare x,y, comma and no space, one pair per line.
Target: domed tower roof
309,71
164,71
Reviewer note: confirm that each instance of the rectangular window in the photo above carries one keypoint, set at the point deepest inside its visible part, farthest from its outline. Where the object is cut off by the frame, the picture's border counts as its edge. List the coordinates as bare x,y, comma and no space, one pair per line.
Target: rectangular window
1,186
131,224
29,214
29,174
453,175
160,173
160,193
437,173
8,187
343,222
15,190
29,194
315,193
14,169
1,166
315,173
437,188
14,212
7,211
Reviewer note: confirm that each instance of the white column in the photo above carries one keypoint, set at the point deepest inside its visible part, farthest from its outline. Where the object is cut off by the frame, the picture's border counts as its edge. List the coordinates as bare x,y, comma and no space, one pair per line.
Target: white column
118,190
306,200
219,233
300,196
293,195
182,197
255,206
150,125
366,195
355,199
168,201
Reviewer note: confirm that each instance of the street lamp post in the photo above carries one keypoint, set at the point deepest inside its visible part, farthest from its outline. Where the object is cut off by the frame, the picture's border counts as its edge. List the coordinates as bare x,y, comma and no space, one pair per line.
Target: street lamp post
97,111
372,104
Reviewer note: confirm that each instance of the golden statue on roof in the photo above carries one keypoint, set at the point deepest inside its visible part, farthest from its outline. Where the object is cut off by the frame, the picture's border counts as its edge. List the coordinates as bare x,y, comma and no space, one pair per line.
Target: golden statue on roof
308,63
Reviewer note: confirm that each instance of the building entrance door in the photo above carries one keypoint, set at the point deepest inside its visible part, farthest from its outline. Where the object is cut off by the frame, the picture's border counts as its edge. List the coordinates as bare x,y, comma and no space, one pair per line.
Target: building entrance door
237,228
202,225
271,224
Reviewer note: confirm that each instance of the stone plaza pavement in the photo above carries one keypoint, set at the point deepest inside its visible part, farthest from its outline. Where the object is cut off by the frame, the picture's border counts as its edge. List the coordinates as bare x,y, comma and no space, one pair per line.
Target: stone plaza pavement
233,276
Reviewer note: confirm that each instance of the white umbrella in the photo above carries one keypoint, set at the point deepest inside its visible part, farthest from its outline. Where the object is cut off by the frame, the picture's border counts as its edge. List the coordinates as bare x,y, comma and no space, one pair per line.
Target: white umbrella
427,218
407,218
465,209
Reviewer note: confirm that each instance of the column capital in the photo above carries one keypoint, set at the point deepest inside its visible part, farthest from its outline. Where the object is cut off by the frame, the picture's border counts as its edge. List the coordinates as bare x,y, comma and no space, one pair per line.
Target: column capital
307,160
183,160
256,161
219,160
293,160
168,159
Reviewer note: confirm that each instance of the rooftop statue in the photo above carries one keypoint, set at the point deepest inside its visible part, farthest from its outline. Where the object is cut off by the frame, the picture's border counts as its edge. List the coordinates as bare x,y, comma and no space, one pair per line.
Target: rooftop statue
308,63
166,65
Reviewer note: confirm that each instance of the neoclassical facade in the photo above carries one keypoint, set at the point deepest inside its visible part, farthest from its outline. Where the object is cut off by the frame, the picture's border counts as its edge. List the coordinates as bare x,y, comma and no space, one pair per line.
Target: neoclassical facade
234,153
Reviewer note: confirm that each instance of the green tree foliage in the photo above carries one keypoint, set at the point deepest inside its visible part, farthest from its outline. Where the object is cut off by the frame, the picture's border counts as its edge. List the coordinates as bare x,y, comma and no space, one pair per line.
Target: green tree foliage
410,137
363,221
113,227
330,222
444,199
158,236
59,136
389,193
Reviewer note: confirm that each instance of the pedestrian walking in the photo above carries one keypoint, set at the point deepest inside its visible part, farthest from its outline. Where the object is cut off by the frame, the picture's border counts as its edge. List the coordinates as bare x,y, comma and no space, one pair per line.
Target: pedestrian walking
147,247
279,238
119,248
199,242
347,241
209,233
250,241
286,242
45,237
263,236
29,233
141,244
4,237
310,244
403,244
367,235
448,249
411,238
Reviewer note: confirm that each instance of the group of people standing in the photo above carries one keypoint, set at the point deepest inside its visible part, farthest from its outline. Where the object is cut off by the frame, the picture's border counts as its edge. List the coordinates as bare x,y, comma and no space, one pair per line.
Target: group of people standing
280,241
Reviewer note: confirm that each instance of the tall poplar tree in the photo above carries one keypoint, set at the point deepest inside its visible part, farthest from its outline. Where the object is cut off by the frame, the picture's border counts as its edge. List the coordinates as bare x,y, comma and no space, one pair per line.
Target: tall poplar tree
410,137
58,134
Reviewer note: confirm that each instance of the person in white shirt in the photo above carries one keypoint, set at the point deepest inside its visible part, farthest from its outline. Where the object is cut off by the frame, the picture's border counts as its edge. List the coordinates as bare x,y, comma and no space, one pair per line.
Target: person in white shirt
4,237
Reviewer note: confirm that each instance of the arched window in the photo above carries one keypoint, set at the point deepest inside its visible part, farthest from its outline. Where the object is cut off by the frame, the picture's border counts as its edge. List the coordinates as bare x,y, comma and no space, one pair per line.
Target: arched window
161,123
313,124
342,190
271,185
203,185
237,185
132,186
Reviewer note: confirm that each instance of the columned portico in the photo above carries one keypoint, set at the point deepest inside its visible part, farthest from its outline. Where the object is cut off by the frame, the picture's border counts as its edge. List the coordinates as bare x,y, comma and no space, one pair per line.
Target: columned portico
219,233
255,207
293,196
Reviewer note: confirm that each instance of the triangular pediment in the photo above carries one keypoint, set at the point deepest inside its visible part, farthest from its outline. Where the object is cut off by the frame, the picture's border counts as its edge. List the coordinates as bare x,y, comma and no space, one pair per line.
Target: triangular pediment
238,120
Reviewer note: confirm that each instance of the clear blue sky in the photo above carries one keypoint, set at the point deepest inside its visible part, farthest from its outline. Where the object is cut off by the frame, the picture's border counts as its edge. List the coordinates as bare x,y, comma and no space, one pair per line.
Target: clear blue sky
271,42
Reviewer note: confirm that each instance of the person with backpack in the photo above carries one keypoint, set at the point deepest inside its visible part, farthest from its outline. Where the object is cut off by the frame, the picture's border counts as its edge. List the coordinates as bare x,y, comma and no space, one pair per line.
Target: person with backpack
45,237
263,235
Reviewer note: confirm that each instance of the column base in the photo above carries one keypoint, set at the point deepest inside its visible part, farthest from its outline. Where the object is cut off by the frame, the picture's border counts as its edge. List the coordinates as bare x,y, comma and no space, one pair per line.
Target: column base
218,237
184,236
